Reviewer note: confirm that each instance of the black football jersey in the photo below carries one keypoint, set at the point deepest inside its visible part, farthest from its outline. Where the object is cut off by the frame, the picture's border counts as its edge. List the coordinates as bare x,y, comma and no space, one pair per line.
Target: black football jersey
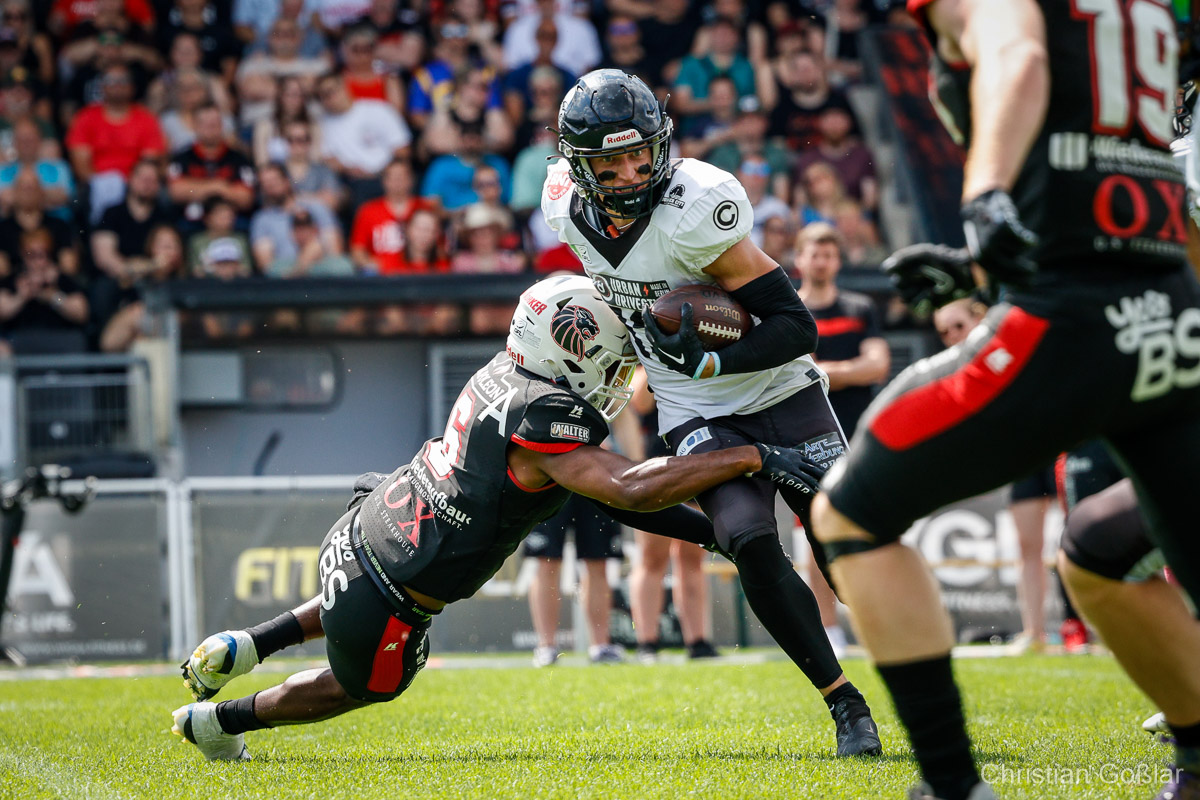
444,523
1099,185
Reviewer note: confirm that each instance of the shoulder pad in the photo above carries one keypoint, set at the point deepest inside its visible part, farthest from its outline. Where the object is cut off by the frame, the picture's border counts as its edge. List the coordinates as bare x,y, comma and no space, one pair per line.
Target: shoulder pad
558,422
717,217
556,194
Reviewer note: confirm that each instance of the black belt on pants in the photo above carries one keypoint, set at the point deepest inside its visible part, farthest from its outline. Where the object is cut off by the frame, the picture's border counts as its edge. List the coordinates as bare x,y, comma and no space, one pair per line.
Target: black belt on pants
395,595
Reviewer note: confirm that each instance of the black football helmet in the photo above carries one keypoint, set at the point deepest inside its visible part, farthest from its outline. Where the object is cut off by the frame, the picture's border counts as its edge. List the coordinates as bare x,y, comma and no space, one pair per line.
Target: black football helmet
608,112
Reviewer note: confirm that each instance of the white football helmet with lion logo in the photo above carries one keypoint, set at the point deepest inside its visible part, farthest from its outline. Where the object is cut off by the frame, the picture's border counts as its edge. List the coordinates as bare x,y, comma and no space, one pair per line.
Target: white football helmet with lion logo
563,330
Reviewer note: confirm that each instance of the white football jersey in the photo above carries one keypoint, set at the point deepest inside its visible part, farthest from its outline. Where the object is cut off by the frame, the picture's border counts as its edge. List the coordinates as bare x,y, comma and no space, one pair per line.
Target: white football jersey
703,213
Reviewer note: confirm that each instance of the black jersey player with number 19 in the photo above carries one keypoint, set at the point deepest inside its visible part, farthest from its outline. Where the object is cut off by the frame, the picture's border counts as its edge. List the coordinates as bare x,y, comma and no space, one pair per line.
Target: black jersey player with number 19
523,434
1072,206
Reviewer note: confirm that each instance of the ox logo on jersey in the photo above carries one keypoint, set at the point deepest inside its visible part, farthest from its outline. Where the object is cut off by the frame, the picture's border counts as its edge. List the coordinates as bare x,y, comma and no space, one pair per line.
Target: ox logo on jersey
565,430
558,184
725,215
674,196
624,137
571,327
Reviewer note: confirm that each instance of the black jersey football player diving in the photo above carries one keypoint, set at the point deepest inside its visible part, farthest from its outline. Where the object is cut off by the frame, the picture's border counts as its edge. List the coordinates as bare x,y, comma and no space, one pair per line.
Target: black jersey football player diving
522,436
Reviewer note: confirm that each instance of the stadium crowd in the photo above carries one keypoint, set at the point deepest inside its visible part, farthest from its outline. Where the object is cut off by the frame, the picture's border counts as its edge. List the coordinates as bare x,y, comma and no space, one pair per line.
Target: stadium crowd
147,140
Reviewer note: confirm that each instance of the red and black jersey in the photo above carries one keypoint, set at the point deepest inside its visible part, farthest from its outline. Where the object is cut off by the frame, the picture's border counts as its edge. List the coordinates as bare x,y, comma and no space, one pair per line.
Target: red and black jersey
227,164
444,523
1099,185
842,326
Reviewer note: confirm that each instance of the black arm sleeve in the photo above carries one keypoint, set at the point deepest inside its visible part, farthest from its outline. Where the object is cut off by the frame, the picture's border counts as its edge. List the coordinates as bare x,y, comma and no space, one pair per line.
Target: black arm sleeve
677,522
785,332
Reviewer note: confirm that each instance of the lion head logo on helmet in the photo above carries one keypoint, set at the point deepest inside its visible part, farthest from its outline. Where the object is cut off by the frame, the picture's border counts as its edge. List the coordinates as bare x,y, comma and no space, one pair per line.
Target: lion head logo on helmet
571,327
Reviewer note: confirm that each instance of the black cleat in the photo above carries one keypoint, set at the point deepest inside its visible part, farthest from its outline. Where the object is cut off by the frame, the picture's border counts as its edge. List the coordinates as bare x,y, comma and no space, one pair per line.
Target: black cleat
856,731
702,648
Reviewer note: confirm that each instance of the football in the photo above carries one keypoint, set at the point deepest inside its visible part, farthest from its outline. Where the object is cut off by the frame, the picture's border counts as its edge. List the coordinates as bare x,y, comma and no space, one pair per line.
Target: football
719,319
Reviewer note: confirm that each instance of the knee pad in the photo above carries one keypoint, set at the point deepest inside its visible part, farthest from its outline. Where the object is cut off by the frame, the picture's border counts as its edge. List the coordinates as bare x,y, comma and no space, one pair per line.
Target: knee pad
1106,535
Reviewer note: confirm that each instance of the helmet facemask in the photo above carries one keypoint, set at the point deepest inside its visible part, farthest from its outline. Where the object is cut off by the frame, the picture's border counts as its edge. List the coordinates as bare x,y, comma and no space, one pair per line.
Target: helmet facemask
627,202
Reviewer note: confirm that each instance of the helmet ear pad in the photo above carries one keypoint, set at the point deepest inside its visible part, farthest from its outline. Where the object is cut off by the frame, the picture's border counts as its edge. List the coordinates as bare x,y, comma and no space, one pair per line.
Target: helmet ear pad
563,330
610,112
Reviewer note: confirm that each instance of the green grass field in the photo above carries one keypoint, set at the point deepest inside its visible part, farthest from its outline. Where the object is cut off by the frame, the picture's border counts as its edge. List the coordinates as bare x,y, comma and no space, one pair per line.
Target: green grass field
726,730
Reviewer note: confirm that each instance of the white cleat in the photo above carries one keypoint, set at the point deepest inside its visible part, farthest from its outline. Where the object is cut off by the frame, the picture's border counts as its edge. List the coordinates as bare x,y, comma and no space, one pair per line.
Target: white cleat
219,659
545,656
197,722
1156,724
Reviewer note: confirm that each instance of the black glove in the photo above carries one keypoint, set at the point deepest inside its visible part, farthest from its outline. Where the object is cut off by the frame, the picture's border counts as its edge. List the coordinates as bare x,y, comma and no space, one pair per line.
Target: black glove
363,485
681,351
928,276
789,468
997,239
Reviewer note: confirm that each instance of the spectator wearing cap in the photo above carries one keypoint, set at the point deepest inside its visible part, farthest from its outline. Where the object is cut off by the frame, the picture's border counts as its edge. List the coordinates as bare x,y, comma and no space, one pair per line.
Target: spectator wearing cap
27,214
576,44
54,175
450,177
750,139
34,50
468,108
258,76
86,85
755,176
107,138
225,259
271,230
118,242
203,19
363,80
310,255
219,219
541,74
623,47
358,139
161,260
689,95
209,168
716,126
38,298
377,237
433,83
837,146
481,252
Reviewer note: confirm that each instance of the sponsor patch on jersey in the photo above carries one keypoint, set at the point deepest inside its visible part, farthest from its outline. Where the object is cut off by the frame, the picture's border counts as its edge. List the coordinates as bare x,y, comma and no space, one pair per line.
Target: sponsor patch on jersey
565,430
582,252
633,295
824,449
624,137
693,440
725,215
674,196
558,184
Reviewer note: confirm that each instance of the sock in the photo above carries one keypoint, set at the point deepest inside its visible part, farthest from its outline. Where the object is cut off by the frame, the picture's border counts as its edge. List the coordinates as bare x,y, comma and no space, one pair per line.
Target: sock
844,691
786,607
928,703
237,716
1187,747
274,635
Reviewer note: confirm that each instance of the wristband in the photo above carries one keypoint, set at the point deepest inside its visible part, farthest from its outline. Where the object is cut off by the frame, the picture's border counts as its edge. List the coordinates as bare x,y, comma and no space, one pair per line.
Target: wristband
700,367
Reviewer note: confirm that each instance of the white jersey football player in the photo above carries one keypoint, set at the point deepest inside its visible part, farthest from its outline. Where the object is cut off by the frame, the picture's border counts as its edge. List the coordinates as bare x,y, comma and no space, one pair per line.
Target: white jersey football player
642,225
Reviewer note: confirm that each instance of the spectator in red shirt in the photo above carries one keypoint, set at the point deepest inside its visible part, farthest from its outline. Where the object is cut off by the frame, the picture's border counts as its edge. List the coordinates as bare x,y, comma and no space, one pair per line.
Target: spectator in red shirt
107,138
363,80
377,240
66,14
